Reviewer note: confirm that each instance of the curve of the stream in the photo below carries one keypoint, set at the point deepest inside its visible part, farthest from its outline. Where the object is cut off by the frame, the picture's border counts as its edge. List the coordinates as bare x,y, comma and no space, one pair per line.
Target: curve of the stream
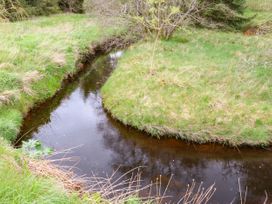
75,119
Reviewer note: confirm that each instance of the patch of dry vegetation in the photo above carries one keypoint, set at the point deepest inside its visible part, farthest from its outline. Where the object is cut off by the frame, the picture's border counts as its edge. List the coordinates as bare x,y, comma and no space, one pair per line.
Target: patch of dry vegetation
43,181
260,5
20,184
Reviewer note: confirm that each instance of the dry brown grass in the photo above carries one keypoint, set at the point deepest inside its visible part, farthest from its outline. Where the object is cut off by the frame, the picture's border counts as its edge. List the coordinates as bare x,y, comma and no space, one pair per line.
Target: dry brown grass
5,65
260,5
261,29
28,79
197,194
12,10
46,168
116,190
266,27
6,97
59,59
108,189
43,180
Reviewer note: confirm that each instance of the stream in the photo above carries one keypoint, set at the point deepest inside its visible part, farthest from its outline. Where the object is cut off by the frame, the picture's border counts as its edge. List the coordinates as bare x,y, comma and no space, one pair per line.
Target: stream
75,119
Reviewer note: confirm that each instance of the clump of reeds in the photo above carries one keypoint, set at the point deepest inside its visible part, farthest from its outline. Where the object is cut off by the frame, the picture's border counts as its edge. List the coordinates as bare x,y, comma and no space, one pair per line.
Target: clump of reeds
197,194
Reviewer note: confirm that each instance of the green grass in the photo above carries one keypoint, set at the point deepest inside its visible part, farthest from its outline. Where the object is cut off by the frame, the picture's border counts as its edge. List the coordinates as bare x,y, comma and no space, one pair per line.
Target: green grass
201,85
35,55
18,184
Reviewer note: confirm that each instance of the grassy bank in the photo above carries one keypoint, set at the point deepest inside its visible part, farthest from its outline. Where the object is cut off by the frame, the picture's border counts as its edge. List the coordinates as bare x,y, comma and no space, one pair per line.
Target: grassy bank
19,184
28,180
201,85
35,55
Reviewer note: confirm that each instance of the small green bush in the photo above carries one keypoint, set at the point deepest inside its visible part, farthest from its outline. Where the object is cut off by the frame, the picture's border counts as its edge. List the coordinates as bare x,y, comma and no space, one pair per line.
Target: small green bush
35,149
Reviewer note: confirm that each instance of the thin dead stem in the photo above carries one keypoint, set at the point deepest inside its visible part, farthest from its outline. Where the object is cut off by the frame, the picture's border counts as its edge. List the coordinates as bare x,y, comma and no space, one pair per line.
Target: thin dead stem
115,189
197,195
243,195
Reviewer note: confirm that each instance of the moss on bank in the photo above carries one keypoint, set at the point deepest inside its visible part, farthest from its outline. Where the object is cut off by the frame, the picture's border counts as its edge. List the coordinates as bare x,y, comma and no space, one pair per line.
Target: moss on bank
201,85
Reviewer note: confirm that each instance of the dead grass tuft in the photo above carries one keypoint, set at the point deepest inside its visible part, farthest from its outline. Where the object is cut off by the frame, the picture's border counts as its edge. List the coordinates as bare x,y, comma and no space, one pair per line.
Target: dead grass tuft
28,79
6,97
261,29
59,59
110,190
45,168
113,189
260,5
266,27
5,65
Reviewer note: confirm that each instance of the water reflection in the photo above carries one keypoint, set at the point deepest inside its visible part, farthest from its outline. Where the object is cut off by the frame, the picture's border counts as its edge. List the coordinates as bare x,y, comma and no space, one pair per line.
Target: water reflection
76,118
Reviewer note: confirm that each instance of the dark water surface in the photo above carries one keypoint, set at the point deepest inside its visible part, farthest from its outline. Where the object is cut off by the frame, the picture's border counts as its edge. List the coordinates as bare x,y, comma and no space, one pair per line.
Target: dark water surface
76,119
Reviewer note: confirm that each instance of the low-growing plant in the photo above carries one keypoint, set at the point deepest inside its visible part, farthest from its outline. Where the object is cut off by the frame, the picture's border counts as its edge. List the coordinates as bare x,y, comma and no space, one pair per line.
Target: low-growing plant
160,16
35,149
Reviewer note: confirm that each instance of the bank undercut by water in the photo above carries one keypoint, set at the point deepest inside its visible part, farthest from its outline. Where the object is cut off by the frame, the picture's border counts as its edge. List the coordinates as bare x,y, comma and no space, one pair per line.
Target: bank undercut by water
201,85
36,56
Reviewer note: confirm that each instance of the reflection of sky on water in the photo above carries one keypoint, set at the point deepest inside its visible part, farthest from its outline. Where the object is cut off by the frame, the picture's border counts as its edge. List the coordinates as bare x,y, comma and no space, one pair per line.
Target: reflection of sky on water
77,119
